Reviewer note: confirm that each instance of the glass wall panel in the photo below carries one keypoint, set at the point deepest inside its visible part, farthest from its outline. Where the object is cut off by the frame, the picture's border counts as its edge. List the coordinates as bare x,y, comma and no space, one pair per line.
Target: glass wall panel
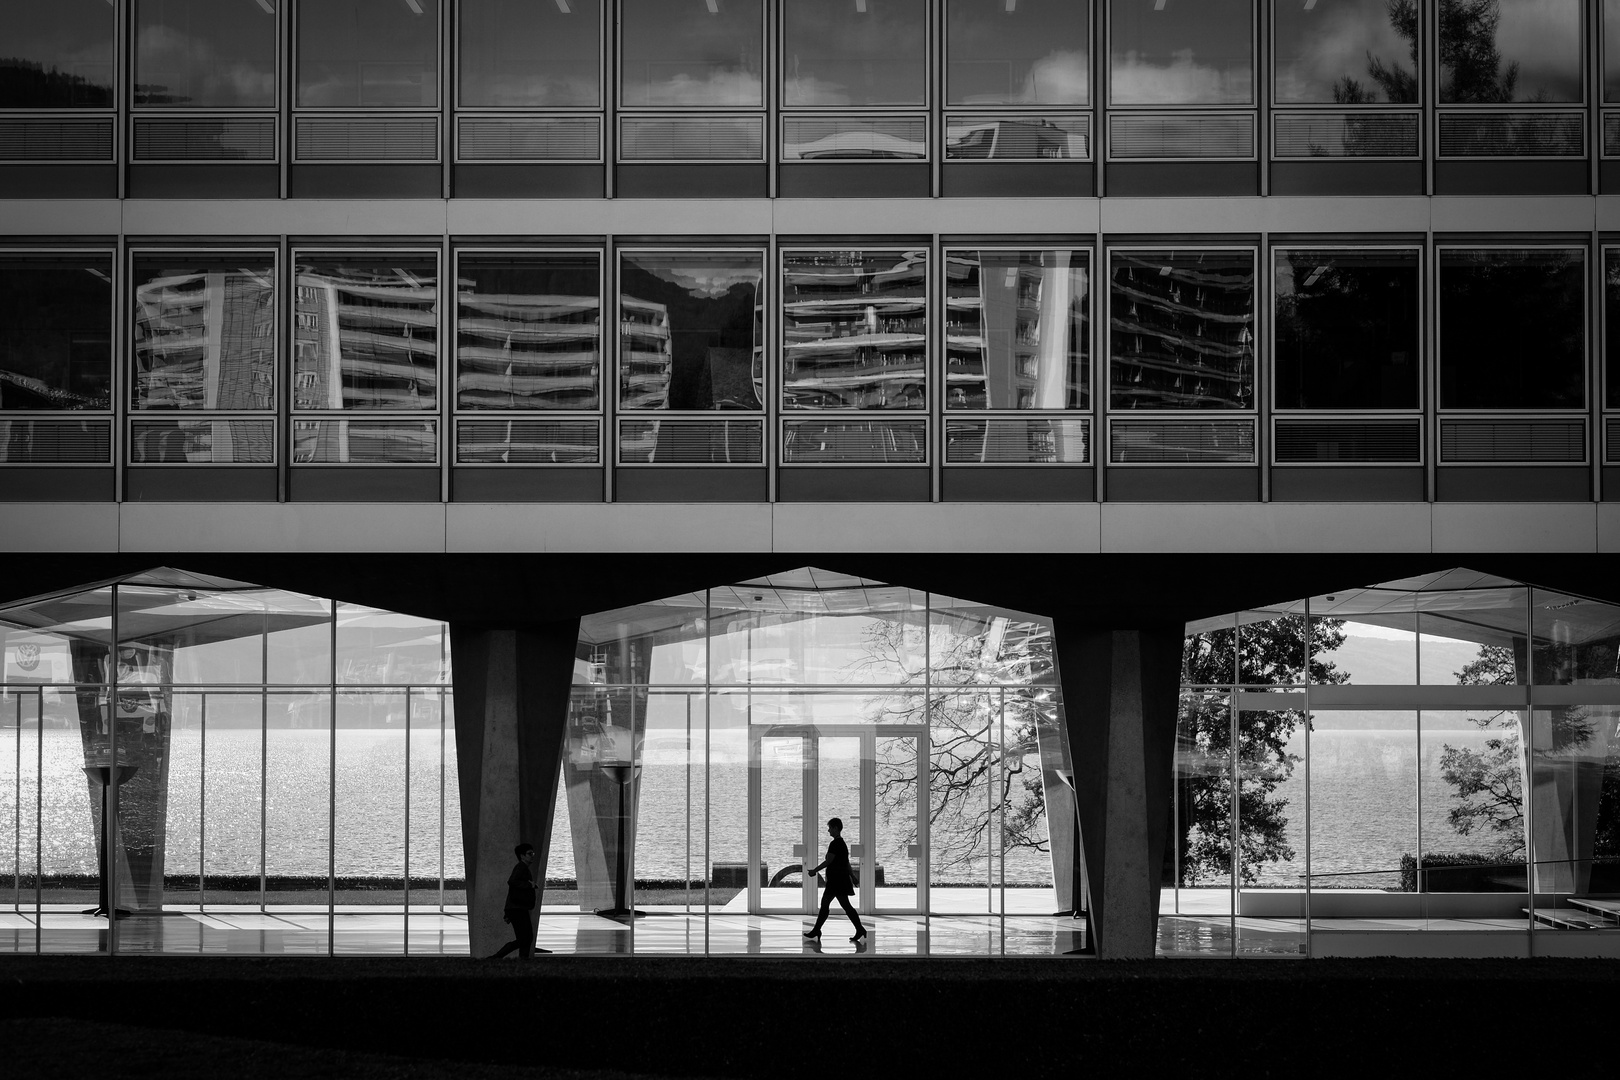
838,53
74,735
1346,52
431,787
298,810
455,866
1473,825
1364,798
854,329
1495,51
11,724
298,643
1512,328
1611,50
368,54
385,647
1574,812
1182,330
667,864
691,54
1017,329
1271,647
1202,828
776,631
369,803
366,332
1362,637
58,55
529,331
1611,322
691,330
244,820
183,817
56,331
521,54
1034,53
205,54
1271,814
1181,53
726,833
1348,328
204,331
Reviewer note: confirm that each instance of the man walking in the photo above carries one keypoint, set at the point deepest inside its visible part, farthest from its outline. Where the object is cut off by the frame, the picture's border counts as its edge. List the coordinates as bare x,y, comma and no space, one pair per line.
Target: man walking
520,895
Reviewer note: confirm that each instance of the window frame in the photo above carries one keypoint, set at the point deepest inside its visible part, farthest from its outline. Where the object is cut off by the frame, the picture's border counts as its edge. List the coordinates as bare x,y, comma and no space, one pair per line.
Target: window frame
1583,79
283,55
1255,58
293,415
1436,315
452,313
1420,359
1423,58
110,414
295,76
933,43
928,413
617,413
273,415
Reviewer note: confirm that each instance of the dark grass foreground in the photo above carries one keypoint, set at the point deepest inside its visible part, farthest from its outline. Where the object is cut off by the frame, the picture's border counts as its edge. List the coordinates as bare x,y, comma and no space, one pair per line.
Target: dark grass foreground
598,1018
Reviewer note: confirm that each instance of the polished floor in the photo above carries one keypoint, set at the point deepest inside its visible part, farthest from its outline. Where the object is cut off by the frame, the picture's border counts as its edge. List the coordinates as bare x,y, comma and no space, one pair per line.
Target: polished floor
354,931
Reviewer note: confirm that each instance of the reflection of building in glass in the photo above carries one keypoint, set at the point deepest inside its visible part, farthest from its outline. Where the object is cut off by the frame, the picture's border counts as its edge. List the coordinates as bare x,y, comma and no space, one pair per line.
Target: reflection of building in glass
524,351
206,341
854,329
1014,331
364,338
1182,330
646,354
1023,139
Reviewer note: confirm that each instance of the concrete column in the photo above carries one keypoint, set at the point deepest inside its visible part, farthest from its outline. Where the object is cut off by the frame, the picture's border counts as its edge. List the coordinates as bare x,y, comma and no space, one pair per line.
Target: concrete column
512,689
1120,693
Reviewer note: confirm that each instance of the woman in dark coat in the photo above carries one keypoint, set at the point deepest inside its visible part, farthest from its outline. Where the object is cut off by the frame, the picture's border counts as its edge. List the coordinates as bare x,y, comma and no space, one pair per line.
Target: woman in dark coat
840,882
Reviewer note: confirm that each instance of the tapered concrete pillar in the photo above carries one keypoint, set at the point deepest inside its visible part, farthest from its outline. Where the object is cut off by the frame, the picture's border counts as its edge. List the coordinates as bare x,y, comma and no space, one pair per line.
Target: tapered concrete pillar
1120,692
512,690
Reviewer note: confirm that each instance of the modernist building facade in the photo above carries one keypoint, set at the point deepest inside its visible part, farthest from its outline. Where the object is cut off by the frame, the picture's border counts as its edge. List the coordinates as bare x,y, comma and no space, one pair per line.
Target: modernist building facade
1116,317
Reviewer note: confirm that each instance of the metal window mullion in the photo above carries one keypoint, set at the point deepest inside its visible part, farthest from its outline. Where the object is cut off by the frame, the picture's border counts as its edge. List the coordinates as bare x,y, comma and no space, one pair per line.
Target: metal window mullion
1309,649
331,787
109,790
1527,737
202,804
441,789
407,879
39,817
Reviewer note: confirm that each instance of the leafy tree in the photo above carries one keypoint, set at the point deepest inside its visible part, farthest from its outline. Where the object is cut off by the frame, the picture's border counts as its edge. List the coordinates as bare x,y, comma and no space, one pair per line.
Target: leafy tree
1399,84
1272,654
1488,783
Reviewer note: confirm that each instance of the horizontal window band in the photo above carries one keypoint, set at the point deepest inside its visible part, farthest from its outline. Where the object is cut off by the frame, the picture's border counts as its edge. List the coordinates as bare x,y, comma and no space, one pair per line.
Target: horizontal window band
691,442
1164,442
55,442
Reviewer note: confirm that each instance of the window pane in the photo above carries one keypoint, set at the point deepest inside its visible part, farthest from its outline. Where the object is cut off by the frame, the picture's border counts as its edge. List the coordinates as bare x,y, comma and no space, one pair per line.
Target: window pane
1347,52
528,332
854,329
1512,329
205,53
1184,52
1611,50
689,53
366,334
835,52
205,332
368,54
57,54
690,330
1611,320
531,53
1034,53
1347,329
1182,330
1510,50
1017,329
55,332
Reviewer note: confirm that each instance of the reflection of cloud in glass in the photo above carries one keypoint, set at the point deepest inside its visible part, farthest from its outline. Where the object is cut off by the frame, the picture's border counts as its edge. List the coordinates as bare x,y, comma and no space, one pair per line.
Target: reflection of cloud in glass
718,87
1544,38
1058,78
1183,81
163,51
1316,49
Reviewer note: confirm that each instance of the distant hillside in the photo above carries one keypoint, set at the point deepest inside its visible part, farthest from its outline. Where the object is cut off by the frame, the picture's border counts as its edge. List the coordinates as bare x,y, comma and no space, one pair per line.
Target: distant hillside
1380,661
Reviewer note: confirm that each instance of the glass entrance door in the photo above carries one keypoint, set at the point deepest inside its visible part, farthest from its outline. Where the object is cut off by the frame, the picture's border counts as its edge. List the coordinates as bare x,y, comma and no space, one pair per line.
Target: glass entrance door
869,777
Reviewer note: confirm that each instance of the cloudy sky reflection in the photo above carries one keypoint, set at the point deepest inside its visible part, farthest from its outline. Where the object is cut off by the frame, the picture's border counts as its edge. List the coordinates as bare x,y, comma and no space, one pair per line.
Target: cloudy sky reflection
1182,52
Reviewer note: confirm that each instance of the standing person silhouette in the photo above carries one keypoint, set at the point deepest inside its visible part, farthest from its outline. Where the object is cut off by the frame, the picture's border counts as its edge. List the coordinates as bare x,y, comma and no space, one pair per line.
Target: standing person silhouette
840,882
520,896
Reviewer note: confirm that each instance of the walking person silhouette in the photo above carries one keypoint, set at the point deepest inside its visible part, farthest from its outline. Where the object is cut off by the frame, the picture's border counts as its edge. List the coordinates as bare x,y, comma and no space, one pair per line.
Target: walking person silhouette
840,883
520,897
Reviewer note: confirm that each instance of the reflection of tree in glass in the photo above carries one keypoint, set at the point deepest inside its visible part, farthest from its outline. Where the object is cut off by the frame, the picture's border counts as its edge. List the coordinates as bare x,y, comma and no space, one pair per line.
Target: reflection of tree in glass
1470,63
1488,784
1398,84
1273,654
972,778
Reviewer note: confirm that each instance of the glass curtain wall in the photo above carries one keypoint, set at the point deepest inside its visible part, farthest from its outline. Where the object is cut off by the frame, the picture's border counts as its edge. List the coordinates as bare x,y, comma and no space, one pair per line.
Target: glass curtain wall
1428,754
203,54
58,55
275,767
720,730
855,60
1024,71
694,76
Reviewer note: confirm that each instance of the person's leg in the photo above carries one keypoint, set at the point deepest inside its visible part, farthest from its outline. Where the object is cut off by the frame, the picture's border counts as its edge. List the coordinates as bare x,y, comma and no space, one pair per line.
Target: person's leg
511,946
849,909
826,906
523,927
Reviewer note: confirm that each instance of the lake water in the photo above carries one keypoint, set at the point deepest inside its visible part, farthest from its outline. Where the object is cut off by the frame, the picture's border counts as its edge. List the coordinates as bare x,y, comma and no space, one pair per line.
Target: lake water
1367,785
